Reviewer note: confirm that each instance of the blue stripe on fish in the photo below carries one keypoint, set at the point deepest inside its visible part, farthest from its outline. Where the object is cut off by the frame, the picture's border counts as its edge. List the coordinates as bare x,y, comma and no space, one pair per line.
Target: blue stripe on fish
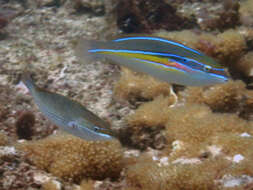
219,76
129,51
80,127
158,39
217,69
149,53
155,63
140,52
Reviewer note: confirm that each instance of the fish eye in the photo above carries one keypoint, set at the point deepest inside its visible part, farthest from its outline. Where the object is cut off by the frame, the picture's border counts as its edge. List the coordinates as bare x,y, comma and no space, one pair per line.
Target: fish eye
96,128
207,68
185,60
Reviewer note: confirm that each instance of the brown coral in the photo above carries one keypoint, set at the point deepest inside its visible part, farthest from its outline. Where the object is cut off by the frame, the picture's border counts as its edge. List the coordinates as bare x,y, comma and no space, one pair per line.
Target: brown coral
140,16
247,111
197,128
176,177
145,125
198,125
229,46
50,185
132,86
5,16
87,185
72,158
246,13
218,15
24,125
226,97
233,144
3,139
245,66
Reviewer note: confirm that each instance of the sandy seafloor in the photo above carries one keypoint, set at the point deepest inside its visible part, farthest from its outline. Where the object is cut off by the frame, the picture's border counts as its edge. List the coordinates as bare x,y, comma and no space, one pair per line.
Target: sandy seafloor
41,38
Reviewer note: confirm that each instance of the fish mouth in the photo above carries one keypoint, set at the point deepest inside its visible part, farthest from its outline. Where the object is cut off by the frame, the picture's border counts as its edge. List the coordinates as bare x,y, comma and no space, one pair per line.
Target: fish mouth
108,132
220,73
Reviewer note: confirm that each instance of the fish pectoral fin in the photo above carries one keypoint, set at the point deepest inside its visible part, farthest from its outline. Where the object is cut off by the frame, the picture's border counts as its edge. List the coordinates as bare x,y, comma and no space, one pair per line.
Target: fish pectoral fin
73,124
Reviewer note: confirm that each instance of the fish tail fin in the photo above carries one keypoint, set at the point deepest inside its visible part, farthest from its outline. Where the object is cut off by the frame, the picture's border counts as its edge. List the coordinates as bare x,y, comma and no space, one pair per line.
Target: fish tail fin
28,81
86,50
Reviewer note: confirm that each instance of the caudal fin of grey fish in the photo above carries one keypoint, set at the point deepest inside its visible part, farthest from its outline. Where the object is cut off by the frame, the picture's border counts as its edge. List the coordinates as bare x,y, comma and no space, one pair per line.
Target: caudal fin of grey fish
84,47
27,80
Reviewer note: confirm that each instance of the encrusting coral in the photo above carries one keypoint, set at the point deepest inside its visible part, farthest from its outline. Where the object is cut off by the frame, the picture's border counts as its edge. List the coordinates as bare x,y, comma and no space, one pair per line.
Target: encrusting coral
198,127
246,13
227,97
140,16
72,158
50,185
3,139
245,65
247,111
25,125
134,85
86,185
220,16
229,46
144,126
144,175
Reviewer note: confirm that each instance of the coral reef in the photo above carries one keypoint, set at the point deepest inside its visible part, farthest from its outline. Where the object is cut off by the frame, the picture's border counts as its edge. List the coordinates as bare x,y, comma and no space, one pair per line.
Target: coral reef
15,173
5,16
72,158
217,141
16,121
212,15
247,111
96,7
144,175
138,16
3,139
144,126
87,185
246,13
229,46
51,185
133,86
202,142
25,125
245,66
228,97
226,16
197,127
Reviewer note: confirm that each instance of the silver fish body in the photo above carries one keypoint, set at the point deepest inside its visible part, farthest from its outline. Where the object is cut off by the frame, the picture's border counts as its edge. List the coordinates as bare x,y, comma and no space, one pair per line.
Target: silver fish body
166,60
69,115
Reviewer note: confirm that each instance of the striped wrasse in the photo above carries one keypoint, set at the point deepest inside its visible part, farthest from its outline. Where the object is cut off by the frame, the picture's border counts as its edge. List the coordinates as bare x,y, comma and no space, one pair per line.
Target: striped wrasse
163,59
67,114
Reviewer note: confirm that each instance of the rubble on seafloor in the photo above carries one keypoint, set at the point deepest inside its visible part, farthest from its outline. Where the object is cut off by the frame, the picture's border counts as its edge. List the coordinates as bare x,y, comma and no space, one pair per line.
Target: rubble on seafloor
172,137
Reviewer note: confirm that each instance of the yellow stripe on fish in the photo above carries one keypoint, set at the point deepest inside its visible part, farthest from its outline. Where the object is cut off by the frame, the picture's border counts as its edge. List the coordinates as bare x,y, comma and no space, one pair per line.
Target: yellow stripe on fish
164,59
165,63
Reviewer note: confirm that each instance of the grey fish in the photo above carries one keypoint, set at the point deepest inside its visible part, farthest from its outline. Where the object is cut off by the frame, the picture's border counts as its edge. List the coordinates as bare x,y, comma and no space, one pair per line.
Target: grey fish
69,115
